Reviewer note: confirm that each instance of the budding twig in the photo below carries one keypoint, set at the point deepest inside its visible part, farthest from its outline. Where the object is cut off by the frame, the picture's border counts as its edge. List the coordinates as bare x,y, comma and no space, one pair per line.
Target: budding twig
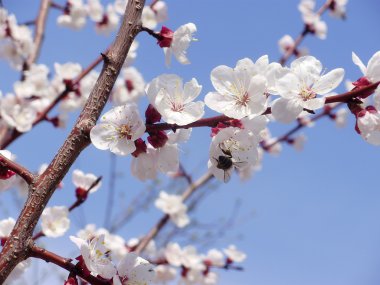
17,168
165,218
65,263
80,200
302,35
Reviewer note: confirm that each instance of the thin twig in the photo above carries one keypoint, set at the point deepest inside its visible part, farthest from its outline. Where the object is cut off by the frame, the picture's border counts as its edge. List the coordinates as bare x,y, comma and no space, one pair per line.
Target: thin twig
80,200
165,218
39,33
17,168
302,35
65,263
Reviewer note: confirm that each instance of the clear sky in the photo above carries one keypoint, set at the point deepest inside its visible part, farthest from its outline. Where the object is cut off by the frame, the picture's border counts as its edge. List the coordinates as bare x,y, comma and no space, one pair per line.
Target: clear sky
306,218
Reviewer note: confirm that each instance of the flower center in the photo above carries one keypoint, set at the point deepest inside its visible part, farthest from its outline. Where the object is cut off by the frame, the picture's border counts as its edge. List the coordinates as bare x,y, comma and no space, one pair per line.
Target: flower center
125,131
243,100
307,94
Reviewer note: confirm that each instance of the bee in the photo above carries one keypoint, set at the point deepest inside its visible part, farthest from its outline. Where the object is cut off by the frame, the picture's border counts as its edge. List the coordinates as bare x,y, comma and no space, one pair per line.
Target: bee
225,163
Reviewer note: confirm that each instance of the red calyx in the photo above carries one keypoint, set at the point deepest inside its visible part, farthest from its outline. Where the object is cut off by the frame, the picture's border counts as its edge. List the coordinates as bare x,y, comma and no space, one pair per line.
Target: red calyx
81,193
166,37
184,271
152,115
6,173
3,240
104,21
129,85
231,123
71,281
140,147
81,265
157,139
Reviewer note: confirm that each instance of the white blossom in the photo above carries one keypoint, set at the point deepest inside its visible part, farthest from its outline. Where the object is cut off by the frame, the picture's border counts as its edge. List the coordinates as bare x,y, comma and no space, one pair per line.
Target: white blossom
243,90
173,100
6,227
299,87
174,207
182,38
372,71
55,221
85,181
129,88
95,256
231,148
118,130
74,16
164,274
134,270
17,113
109,22
234,254
368,123
9,182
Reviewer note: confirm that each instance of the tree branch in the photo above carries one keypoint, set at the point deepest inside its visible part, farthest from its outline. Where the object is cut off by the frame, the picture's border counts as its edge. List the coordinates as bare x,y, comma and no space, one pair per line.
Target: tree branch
17,168
302,35
213,121
18,246
64,263
39,33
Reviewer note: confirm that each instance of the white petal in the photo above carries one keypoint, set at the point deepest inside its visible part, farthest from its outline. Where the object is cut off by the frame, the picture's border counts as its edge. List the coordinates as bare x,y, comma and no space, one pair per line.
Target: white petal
122,147
191,90
286,111
373,71
103,135
222,77
314,104
359,63
168,158
288,86
329,81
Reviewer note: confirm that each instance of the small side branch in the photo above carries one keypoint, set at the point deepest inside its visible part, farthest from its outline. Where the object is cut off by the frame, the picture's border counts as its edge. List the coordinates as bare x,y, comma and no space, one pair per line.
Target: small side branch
17,168
157,36
65,263
165,218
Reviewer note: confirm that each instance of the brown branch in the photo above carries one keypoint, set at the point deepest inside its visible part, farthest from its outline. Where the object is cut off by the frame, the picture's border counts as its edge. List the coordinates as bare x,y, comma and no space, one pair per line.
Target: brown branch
165,218
17,168
213,121
302,35
39,33
65,263
361,92
287,135
19,244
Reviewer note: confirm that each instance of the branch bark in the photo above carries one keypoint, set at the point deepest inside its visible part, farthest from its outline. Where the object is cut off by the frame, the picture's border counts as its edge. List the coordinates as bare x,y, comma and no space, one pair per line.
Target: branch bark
19,245
39,33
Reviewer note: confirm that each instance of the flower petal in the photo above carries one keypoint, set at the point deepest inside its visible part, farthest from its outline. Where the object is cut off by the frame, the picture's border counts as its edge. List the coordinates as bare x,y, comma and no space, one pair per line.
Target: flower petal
286,111
359,63
329,81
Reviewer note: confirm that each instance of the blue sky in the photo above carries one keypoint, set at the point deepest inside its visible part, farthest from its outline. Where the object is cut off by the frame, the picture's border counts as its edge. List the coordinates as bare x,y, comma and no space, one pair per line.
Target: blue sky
306,218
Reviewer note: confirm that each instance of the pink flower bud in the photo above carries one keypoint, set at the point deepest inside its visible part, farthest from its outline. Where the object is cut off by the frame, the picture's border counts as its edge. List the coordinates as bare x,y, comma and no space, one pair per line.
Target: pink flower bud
157,139
166,35
152,115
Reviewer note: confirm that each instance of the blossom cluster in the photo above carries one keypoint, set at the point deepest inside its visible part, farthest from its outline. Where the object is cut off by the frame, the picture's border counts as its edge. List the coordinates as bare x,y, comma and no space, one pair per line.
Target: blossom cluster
243,94
16,42
75,14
